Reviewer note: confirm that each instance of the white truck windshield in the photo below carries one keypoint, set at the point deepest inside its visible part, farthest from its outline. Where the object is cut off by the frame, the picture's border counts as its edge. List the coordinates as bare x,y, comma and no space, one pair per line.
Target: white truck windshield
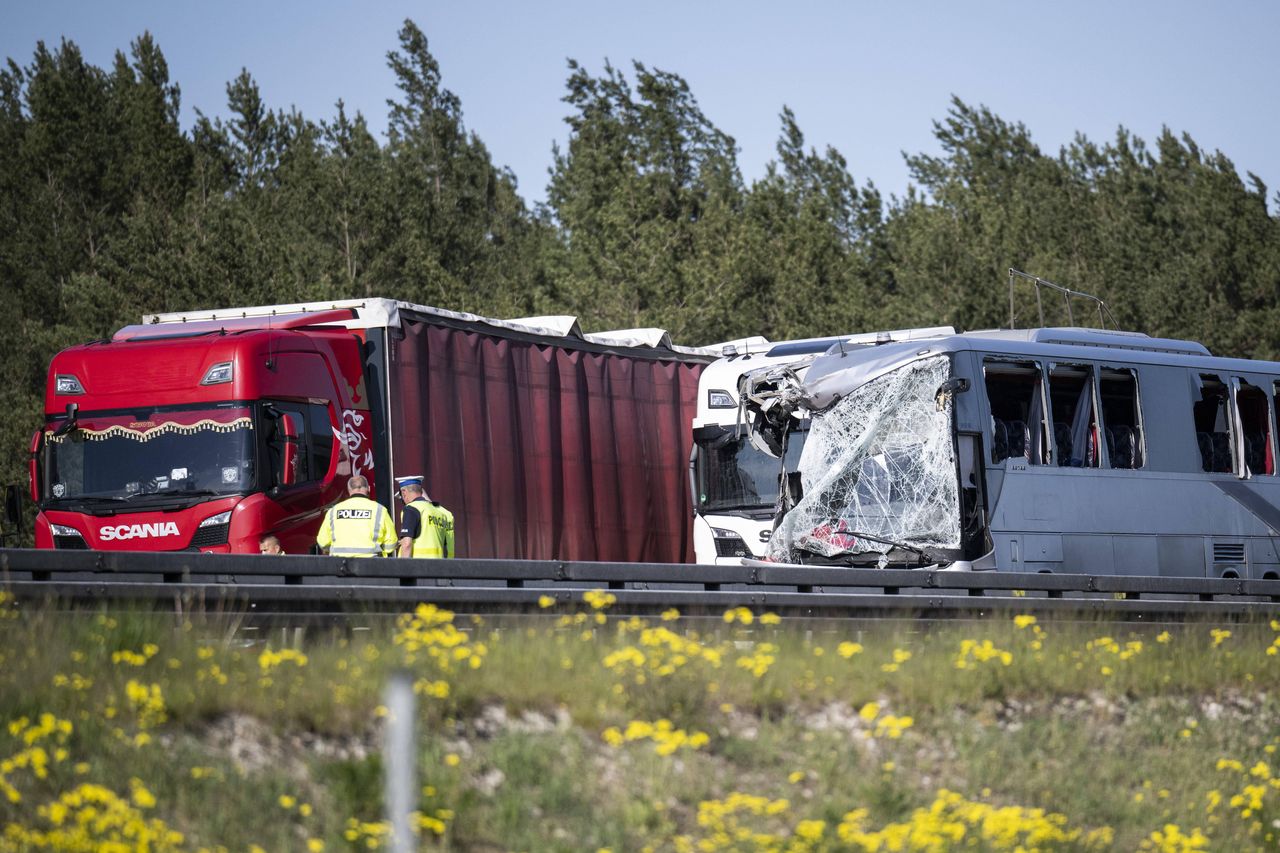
732,475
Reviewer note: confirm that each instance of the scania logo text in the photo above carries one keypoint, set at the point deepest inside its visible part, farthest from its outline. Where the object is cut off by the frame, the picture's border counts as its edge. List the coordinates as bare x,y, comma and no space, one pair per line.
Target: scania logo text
138,531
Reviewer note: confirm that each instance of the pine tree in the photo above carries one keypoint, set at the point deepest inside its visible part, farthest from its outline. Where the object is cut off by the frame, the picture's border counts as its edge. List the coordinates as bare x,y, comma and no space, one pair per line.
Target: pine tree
645,200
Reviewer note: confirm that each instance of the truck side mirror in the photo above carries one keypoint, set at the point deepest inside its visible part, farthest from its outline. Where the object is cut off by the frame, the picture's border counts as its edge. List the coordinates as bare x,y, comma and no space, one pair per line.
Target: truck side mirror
693,479
70,423
33,465
289,431
13,512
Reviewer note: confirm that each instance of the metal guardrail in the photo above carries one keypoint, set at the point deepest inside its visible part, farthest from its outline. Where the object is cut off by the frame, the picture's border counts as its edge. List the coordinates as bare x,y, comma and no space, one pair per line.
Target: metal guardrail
305,585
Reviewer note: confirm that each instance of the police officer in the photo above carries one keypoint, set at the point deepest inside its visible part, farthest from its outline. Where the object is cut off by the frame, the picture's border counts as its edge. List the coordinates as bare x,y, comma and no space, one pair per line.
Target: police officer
426,528
358,526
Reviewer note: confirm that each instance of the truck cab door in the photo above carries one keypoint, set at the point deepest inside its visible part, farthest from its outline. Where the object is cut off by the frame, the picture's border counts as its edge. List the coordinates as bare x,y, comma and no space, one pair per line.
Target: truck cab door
33,465
288,432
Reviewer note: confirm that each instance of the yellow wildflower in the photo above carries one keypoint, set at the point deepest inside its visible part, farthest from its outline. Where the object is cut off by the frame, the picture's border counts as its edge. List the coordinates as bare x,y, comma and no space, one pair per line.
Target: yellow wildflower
142,798
599,599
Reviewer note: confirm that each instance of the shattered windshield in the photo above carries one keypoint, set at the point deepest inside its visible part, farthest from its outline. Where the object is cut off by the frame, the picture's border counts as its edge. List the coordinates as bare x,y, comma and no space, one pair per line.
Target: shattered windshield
879,463
732,475
207,451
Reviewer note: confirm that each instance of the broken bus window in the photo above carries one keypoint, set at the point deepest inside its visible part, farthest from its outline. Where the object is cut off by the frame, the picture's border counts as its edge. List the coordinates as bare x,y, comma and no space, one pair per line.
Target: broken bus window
1121,417
1017,410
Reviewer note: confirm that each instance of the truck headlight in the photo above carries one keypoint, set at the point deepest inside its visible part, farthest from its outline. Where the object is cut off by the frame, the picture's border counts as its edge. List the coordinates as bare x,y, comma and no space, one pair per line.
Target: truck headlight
215,520
729,544
65,383
718,399
63,530
219,373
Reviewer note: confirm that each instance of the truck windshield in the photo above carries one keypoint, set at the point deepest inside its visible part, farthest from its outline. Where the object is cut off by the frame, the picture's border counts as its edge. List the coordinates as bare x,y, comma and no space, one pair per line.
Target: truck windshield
205,451
733,476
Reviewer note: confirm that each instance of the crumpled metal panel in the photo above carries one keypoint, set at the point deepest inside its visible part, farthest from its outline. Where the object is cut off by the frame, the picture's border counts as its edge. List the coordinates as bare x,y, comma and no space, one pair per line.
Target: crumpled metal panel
881,462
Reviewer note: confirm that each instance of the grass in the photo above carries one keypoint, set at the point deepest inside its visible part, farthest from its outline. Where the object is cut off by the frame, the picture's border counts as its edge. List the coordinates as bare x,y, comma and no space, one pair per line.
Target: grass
576,730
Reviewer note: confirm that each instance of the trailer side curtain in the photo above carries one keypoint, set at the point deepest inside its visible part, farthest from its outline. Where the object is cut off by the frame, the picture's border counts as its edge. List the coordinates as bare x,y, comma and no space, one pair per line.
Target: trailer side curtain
546,453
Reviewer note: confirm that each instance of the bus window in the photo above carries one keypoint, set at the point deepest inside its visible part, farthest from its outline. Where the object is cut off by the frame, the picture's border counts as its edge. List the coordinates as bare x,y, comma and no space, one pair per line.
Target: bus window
1075,428
1213,425
1255,425
1121,417
1017,410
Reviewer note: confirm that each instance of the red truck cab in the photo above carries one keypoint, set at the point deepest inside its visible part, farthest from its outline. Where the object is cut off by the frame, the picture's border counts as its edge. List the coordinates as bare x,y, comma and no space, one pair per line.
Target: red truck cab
201,436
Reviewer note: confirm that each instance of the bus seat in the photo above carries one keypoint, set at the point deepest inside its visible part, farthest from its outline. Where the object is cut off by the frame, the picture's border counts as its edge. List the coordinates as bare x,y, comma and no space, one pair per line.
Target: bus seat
1019,439
1062,438
1123,446
1206,450
999,440
1255,452
1221,452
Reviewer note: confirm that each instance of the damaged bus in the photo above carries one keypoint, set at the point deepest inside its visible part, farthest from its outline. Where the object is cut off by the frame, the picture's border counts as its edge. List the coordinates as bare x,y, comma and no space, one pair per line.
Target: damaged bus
734,473
1042,450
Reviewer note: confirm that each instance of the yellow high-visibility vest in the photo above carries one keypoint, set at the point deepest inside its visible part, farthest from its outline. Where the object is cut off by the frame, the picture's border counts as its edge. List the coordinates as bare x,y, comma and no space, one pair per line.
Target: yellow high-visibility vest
357,527
435,535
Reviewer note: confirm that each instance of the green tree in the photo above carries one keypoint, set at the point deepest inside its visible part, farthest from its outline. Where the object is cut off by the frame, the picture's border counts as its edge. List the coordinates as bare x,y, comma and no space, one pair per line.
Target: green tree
454,228
93,167
645,200
1175,242
816,262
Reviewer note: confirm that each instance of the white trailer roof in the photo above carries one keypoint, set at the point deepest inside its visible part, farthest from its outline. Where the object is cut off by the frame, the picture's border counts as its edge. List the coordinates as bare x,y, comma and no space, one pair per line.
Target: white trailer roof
379,312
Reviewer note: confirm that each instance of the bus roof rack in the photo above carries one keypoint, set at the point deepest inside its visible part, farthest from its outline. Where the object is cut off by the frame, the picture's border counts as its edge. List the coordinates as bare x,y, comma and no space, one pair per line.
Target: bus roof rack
1077,337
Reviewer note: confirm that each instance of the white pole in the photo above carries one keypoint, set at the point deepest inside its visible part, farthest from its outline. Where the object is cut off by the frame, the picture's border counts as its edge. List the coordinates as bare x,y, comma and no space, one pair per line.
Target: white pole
398,750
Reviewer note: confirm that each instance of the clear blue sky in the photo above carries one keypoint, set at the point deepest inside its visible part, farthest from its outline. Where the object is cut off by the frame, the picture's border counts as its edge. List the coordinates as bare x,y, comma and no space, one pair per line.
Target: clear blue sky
866,78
